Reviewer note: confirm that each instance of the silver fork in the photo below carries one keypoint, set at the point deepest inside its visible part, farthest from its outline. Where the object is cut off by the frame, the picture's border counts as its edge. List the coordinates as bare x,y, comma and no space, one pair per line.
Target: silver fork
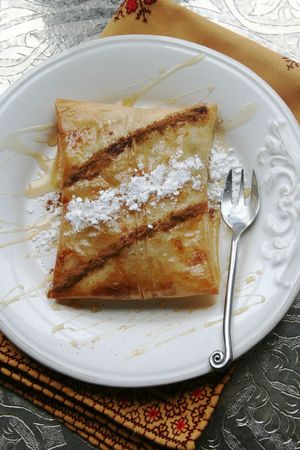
238,216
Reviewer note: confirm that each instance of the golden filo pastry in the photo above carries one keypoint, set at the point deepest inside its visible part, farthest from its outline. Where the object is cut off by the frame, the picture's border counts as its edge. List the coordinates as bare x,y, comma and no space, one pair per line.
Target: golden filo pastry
136,222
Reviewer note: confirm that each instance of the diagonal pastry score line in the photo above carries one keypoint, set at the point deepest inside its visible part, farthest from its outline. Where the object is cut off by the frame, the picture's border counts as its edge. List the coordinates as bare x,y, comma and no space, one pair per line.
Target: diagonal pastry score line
142,232
104,157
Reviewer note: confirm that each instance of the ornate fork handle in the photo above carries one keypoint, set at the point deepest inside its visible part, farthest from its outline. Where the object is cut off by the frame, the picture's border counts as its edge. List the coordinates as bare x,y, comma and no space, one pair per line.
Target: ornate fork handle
238,215
220,360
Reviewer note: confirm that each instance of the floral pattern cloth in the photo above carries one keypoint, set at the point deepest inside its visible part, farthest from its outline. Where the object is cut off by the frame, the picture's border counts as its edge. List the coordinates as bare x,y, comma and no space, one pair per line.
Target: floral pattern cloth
172,416
139,7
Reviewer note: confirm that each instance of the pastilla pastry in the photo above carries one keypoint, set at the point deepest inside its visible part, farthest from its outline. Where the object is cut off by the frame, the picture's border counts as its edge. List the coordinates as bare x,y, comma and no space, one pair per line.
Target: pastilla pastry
136,222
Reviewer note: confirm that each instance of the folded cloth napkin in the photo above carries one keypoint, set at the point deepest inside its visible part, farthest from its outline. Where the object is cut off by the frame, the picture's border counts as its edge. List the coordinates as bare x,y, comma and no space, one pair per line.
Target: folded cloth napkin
175,415
164,17
123,419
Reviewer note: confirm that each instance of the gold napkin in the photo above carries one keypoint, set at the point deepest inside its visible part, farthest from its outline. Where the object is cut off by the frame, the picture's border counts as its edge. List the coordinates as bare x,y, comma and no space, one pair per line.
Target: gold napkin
164,17
122,419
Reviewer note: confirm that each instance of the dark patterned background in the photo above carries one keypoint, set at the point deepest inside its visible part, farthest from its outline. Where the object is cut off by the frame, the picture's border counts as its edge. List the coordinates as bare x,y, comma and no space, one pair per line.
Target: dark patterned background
260,408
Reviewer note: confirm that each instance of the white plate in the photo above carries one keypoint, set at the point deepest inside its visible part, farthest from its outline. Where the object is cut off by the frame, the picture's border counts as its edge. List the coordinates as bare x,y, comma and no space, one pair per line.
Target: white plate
134,344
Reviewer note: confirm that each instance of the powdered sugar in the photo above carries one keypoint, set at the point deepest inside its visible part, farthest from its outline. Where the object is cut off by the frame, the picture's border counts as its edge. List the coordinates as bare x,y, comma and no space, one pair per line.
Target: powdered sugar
48,227
83,213
221,161
46,239
165,180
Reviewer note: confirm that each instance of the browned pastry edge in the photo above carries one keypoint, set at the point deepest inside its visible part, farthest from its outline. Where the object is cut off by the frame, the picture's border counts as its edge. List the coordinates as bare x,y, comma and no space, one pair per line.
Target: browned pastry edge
102,158
143,231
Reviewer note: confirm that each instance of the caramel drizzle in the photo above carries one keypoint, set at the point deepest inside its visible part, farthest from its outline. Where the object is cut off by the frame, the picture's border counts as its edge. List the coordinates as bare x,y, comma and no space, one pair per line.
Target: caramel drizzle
103,158
140,233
